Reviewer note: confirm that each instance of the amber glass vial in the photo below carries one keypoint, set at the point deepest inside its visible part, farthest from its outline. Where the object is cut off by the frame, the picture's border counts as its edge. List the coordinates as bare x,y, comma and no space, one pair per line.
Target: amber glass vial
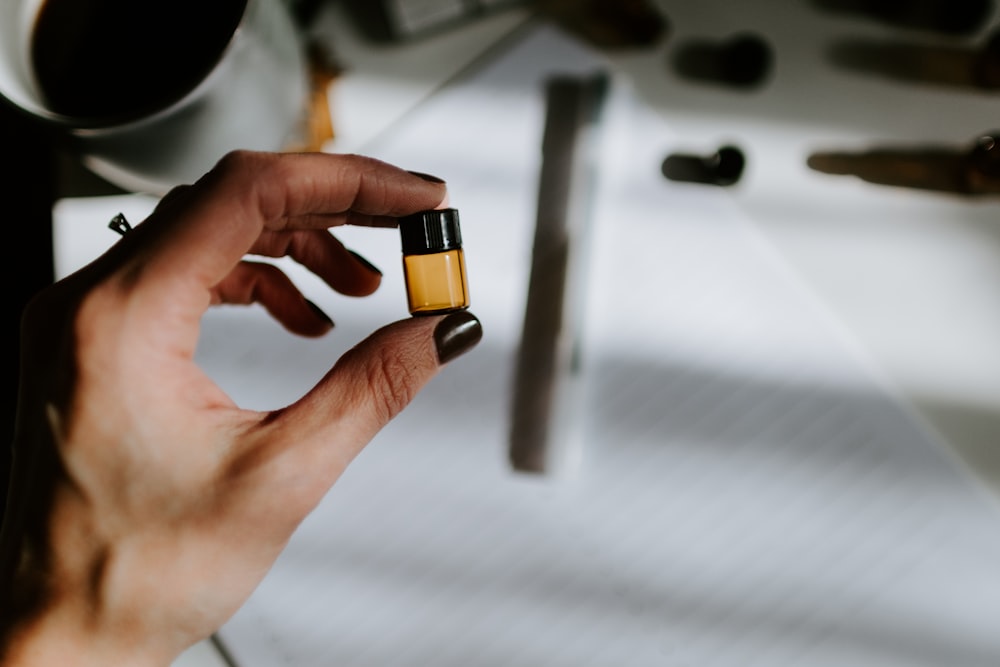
433,262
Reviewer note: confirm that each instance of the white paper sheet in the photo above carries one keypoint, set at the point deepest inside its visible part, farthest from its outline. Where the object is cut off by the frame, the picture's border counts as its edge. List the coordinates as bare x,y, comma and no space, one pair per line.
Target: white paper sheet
748,494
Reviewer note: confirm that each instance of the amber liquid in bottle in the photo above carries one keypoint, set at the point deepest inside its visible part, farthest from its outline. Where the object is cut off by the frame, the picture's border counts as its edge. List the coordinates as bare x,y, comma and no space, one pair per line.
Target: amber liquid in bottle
433,262
436,282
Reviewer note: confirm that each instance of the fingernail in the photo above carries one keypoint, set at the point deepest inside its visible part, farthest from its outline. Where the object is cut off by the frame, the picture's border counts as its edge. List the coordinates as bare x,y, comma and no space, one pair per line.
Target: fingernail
427,177
365,263
319,312
456,334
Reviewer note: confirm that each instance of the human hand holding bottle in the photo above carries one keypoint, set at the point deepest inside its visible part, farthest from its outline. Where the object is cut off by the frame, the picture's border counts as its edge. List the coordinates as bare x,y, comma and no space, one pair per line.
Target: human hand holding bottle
145,505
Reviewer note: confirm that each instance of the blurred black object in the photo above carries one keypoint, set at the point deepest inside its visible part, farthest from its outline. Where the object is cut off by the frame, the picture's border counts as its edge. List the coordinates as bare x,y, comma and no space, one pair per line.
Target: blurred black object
952,17
724,167
400,20
28,191
984,159
956,66
969,170
744,60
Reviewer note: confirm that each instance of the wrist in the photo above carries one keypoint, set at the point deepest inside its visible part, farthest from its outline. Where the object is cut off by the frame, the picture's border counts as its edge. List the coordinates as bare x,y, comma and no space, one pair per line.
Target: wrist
63,634
53,615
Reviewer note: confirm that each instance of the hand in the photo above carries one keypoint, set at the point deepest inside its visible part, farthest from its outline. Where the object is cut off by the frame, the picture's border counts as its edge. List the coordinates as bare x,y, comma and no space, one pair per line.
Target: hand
145,505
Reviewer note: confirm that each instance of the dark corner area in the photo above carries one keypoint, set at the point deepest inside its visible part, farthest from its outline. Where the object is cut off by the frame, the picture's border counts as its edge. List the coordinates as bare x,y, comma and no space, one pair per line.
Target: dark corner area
27,192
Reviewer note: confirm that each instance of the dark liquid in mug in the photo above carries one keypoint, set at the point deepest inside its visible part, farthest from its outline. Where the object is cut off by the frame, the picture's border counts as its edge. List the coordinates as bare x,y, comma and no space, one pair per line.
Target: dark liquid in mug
121,59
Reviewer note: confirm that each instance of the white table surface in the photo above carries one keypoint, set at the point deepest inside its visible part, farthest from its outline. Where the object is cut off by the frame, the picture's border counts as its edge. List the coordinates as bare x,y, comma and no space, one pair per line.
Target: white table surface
912,278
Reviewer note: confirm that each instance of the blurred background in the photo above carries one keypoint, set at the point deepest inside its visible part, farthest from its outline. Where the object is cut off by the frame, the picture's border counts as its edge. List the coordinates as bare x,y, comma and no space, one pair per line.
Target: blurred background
855,135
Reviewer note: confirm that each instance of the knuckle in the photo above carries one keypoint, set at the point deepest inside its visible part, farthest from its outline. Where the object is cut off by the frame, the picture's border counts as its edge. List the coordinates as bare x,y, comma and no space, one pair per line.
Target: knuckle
242,166
235,160
392,380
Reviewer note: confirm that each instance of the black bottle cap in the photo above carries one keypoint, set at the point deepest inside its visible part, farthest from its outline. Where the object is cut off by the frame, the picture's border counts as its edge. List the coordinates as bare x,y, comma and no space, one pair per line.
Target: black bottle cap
430,231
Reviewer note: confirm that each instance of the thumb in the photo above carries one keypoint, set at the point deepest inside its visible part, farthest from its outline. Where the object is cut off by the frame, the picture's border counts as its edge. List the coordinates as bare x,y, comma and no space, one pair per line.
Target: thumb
374,381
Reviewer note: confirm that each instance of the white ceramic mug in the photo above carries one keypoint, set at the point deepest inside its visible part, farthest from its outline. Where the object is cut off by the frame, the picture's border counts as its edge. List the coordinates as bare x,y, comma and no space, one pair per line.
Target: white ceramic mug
254,96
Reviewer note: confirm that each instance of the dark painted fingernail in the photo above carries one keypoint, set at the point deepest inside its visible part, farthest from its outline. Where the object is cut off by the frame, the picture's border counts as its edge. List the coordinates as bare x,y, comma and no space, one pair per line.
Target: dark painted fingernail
365,263
427,177
319,312
456,334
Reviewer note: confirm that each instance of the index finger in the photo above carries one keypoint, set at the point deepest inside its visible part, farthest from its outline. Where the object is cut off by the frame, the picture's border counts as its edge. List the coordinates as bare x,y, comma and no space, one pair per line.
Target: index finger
249,192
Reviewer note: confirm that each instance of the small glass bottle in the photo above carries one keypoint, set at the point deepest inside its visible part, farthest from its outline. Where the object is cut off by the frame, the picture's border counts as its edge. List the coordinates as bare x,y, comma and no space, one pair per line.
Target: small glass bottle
433,262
